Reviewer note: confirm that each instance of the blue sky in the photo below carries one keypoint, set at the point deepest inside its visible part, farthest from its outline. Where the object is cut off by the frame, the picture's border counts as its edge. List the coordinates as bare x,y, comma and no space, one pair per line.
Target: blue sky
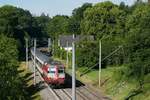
54,7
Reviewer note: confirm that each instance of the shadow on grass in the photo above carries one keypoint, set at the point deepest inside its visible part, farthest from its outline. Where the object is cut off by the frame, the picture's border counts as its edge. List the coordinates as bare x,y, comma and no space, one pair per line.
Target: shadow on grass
27,75
31,91
21,71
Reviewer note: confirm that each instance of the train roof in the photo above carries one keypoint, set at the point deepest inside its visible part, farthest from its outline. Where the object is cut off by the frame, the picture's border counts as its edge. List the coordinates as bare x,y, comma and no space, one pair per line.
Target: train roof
45,58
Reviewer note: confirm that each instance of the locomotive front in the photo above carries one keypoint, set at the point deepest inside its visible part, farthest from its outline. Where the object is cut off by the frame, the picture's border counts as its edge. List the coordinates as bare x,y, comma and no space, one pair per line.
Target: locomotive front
54,74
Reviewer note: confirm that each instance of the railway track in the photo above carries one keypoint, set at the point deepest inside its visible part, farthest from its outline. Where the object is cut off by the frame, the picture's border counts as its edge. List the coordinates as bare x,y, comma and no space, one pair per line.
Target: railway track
91,92
58,94
88,94
61,94
56,97
65,93
82,92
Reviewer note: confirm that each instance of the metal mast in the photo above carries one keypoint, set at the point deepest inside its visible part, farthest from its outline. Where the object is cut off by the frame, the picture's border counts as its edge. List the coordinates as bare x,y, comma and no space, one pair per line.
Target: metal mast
26,52
49,44
34,60
99,63
73,71
67,56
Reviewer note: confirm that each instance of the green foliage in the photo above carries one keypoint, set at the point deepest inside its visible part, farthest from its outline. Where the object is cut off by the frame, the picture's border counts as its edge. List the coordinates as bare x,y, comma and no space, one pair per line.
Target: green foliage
60,53
57,51
15,21
41,24
87,53
10,84
103,18
18,23
110,45
76,18
138,40
125,26
57,26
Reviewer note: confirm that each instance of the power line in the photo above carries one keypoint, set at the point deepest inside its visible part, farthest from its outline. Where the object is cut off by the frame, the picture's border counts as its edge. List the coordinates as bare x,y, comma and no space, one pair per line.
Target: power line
86,71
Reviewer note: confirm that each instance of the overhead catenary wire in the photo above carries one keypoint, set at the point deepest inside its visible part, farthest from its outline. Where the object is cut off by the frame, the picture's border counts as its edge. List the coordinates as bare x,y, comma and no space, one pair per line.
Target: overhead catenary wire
86,71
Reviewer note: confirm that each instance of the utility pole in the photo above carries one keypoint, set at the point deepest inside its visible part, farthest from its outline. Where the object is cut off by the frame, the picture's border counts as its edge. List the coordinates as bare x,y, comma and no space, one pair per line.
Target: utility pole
53,47
100,62
67,56
34,60
49,44
73,71
26,52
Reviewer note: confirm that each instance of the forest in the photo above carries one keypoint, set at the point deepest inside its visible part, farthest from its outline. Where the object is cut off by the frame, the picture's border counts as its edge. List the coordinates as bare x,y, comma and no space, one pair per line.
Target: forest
126,27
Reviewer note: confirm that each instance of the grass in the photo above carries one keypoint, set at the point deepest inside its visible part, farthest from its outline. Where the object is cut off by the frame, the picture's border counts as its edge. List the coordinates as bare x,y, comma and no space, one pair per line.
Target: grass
112,84
146,90
26,76
115,88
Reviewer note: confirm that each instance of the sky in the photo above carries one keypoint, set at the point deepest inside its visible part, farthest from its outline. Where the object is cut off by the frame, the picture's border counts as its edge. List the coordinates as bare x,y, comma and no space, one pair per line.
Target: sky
54,7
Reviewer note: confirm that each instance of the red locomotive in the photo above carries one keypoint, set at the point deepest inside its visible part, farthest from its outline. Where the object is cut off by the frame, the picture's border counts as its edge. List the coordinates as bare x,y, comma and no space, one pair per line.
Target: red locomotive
53,72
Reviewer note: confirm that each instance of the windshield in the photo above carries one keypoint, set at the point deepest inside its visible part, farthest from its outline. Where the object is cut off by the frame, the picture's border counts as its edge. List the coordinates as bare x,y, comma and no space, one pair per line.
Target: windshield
60,71
51,70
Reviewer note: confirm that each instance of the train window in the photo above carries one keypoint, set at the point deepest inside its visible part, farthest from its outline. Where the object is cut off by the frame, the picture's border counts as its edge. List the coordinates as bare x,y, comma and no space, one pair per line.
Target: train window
60,71
51,71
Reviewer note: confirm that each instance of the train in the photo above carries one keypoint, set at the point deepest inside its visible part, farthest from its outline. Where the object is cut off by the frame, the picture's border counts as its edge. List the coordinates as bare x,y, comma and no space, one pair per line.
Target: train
53,72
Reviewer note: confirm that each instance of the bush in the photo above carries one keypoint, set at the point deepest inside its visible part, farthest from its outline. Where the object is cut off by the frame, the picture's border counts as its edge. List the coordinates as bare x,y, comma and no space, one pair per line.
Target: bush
10,83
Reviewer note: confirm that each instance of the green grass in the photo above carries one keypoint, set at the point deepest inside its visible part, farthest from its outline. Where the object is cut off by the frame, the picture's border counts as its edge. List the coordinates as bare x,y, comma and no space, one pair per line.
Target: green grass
146,90
113,85
26,76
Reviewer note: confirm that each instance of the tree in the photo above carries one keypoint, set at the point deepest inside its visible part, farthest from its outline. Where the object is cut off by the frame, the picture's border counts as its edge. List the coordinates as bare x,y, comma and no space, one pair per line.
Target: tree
10,83
137,41
57,26
87,53
42,22
103,19
75,19
127,9
16,23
